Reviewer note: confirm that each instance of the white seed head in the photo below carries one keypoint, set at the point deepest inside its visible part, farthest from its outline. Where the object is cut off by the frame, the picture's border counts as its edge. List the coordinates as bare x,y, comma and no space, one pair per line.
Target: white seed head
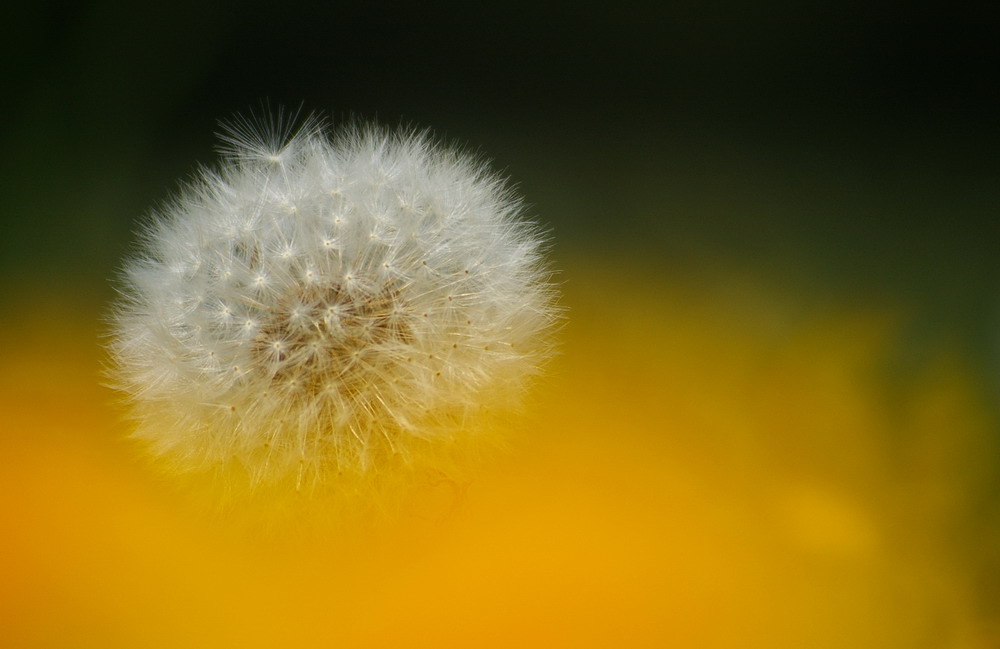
319,306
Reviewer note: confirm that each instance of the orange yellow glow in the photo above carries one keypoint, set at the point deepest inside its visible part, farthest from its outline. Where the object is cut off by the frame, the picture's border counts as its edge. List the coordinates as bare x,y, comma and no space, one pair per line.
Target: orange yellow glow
701,469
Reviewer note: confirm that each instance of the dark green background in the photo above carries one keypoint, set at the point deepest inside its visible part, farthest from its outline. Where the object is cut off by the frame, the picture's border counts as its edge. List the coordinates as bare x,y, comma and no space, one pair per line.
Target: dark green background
840,146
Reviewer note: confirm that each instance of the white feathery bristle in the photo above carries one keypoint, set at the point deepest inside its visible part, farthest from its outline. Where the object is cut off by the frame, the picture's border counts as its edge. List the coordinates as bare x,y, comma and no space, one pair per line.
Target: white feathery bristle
319,306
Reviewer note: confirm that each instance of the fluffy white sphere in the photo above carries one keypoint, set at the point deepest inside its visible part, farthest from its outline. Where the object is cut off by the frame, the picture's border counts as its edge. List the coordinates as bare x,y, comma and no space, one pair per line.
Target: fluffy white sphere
321,306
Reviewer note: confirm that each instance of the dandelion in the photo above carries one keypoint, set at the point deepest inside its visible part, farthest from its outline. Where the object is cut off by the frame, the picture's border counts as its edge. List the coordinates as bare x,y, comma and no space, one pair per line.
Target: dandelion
322,305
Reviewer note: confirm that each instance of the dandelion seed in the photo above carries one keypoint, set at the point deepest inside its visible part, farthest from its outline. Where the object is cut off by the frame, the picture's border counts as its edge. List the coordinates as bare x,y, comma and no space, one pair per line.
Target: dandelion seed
294,356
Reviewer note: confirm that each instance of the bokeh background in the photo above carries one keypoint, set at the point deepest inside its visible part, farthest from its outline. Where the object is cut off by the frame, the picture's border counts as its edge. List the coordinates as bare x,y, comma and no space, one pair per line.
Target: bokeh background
774,420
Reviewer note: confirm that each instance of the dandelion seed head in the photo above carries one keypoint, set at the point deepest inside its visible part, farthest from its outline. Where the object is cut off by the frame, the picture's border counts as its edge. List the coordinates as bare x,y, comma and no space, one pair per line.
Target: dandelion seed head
327,304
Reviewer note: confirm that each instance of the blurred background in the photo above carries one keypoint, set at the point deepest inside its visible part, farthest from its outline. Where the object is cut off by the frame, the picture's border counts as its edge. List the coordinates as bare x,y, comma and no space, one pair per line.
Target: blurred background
774,419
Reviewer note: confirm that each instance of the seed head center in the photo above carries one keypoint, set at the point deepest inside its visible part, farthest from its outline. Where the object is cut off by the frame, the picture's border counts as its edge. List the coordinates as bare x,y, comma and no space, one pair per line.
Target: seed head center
324,334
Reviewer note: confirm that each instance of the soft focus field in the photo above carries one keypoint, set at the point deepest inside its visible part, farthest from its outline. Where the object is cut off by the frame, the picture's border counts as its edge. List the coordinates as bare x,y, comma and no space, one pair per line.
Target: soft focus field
709,464
775,420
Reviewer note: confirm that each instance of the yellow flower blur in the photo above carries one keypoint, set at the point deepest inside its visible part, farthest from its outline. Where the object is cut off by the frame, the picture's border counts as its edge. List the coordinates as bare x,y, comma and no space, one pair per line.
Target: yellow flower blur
703,467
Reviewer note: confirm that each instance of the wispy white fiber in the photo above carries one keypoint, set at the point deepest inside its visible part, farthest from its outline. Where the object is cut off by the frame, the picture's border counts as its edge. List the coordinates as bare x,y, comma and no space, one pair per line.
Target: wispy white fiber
319,304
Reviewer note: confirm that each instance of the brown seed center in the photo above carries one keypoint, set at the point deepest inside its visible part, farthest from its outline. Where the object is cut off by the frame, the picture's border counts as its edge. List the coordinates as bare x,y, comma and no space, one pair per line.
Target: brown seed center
324,335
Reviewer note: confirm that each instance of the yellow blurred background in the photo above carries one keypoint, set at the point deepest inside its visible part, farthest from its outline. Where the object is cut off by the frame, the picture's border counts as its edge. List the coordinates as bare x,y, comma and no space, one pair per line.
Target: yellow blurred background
698,469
